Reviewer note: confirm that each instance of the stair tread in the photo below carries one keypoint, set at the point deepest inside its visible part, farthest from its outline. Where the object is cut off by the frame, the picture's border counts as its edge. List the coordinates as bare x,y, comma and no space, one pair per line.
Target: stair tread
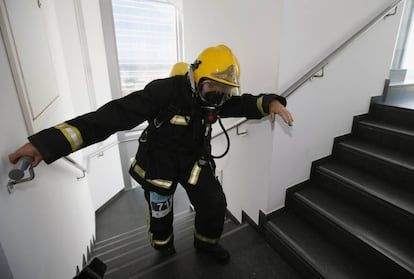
387,126
139,248
187,215
386,154
251,257
132,238
375,234
139,239
322,255
144,256
120,237
371,185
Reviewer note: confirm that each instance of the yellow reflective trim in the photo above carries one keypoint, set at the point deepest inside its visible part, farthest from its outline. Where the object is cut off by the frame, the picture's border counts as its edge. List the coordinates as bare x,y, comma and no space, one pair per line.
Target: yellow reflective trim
160,242
166,184
259,104
194,175
139,171
180,120
72,135
205,239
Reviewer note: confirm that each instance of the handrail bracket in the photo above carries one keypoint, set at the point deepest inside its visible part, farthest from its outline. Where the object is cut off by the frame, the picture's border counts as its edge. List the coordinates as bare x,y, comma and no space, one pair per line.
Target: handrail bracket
12,182
318,74
393,13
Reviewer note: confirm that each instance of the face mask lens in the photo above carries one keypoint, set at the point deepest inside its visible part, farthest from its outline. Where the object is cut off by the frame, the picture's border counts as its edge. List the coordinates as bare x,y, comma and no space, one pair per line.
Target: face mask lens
214,98
215,93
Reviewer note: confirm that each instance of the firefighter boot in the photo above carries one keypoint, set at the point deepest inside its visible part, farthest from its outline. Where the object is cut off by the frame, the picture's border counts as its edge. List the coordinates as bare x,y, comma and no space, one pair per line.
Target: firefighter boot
166,250
216,251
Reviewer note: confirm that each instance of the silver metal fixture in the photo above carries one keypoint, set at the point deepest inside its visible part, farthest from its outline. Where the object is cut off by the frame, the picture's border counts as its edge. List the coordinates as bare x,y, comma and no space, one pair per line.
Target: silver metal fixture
18,174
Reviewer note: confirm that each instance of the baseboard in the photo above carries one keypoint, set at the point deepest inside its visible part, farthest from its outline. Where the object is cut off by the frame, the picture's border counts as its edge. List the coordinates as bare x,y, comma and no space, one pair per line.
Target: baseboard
231,217
246,219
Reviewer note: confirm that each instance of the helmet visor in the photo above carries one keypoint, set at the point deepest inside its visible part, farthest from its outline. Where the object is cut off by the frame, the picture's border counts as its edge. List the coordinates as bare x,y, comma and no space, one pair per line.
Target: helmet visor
215,93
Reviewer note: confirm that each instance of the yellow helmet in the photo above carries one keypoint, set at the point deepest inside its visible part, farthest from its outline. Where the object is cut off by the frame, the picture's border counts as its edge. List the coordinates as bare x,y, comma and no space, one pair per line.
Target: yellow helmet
216,63
179,69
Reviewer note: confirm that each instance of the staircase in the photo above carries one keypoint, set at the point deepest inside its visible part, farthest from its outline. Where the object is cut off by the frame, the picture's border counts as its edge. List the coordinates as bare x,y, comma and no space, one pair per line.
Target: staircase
129,255
354,217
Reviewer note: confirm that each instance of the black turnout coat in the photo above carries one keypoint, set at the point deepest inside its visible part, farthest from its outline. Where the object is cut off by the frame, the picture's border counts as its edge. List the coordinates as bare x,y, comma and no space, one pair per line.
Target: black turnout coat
167,154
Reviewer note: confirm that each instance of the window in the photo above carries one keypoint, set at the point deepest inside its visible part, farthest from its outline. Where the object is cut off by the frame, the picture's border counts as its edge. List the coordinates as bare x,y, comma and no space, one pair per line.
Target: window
147,39
403,65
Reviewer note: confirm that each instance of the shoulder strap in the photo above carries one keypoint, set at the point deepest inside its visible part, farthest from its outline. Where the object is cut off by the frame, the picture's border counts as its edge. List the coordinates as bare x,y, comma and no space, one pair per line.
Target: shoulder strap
172,109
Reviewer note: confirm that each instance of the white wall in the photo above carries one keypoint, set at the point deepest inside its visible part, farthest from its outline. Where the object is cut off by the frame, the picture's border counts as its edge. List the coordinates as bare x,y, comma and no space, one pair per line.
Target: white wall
104,168
46,224
276,42
324,108
251,30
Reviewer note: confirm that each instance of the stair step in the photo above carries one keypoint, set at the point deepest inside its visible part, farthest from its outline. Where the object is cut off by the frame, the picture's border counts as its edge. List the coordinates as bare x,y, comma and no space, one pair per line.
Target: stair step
383,198
385,163
120,237
388,135
138,258
126,254
402,117
139,230
384,246
134,237
387,155
251,257
388,127
310,252
138,240
135,248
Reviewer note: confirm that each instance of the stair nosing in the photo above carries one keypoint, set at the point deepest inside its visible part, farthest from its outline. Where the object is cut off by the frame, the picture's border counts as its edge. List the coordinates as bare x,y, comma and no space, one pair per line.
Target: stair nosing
386,127
368,190
350,145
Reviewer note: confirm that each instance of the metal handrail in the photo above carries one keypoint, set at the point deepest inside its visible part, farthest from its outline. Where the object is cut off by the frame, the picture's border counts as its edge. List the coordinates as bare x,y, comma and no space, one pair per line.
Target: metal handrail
321,65
311,73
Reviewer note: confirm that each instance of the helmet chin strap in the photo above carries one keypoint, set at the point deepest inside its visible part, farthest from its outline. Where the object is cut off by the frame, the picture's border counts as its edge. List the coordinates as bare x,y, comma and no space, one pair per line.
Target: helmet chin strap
190,74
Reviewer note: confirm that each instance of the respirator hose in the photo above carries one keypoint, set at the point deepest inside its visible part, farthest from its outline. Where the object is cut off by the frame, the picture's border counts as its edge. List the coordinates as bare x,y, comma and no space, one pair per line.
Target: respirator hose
227,138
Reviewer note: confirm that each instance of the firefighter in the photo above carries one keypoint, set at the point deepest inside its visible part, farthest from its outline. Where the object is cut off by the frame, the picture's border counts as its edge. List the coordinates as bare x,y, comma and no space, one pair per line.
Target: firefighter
175,146
179,68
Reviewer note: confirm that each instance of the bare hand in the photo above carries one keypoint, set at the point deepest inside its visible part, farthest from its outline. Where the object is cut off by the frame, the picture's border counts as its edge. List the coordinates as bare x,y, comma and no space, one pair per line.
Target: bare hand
26,150
275,107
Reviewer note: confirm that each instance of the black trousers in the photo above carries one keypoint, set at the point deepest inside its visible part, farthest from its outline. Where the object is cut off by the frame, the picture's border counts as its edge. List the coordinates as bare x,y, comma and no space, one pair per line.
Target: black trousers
209,202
